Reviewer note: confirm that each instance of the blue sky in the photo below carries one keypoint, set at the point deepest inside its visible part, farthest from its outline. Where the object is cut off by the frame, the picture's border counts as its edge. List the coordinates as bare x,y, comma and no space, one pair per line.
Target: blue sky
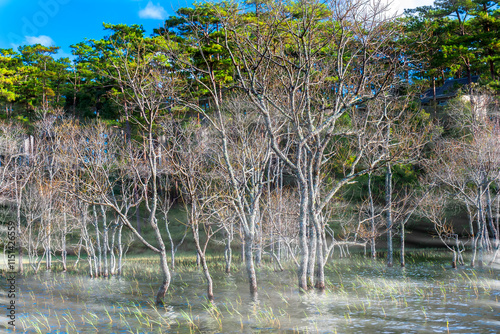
66,22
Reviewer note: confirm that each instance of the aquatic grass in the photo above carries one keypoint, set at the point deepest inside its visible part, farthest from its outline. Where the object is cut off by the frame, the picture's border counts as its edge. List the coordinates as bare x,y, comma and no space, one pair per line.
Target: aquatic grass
214,313
190,319
358,288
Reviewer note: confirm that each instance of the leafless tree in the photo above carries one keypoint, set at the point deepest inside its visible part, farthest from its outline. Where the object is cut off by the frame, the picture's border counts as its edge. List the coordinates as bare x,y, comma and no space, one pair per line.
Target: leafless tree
16,168
434,209
190,154
149,88
469,166
280,64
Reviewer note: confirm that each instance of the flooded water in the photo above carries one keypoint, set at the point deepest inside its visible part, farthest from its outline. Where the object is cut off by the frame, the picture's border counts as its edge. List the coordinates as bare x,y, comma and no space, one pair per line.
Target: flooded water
363,297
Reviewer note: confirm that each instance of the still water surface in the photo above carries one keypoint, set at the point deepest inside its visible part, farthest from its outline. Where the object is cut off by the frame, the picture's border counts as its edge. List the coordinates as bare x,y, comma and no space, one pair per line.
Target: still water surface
363,297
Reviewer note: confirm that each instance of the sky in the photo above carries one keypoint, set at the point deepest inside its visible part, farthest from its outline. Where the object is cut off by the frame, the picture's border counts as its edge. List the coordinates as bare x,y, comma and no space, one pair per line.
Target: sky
66,22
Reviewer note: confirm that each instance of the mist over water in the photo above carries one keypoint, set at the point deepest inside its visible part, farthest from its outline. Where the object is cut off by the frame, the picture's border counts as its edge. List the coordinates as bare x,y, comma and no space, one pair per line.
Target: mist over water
362,297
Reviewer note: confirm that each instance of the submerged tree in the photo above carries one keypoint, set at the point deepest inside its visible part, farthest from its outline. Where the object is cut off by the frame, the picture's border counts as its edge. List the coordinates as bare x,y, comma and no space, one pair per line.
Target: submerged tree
309,68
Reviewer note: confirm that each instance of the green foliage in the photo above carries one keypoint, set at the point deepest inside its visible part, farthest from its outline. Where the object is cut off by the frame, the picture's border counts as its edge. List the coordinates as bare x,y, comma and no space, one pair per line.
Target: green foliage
403,176
457,39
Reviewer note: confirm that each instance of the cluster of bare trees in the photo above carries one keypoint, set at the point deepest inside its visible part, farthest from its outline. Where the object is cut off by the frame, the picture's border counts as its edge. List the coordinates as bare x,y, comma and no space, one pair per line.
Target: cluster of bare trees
38,183
465,171
303,100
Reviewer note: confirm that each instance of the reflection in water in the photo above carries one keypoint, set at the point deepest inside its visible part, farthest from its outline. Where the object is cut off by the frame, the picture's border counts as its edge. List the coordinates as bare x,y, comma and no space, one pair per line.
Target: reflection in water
362,297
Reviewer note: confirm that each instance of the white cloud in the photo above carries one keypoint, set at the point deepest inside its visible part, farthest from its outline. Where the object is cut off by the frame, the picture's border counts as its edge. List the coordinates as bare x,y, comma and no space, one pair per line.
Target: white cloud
400,5
42,39
153,11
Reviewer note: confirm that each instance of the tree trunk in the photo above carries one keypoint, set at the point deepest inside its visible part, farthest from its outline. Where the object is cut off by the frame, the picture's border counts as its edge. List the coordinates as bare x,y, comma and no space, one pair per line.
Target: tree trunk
228,253
489,216
98,242
320,257
200,257
112,258
252,278
454,261
402,246
137,216
472,235
18,231
120,250
206,272
63,242
388,202
312,253
172,247
258,248
48,251
162,290
480,227
372,220
243,251
163,259
304,251
105,241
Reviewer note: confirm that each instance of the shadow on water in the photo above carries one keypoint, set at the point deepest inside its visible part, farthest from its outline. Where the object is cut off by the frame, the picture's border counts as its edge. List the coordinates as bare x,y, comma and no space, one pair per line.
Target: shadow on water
362,297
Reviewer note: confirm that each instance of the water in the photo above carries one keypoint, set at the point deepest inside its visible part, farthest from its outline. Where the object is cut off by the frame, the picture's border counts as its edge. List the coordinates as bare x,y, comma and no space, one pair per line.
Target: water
363,297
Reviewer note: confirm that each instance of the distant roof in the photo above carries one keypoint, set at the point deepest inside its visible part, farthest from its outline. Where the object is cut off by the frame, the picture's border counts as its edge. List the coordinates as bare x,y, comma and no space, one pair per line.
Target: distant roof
448,90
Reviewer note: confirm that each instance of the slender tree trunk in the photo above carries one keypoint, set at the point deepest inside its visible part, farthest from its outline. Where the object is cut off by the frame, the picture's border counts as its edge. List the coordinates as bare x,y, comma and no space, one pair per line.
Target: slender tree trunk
312,253
172,248
497,219
454,261
480,226
388,202
206,272
372,219
98,243
258,248
105,241
204,266
489,216
120,250
160,295
48,255
252,278
472,234
200,253
320,257
63,242
228,253
304,250
90,253
162,290
243,251
18,228
137,213
402,246
112,257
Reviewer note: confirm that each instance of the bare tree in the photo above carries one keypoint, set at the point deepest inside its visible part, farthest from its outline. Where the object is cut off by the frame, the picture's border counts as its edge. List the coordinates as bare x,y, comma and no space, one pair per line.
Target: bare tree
148,87
16,167
307,69
281,65
434,209
166,202
189,153
469,165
